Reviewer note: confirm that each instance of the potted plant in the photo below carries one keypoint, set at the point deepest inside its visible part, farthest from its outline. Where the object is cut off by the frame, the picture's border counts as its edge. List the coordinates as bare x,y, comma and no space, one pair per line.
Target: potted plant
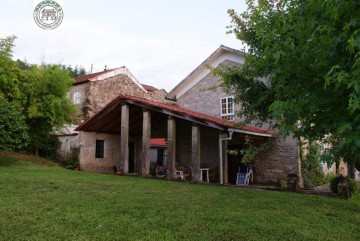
119,170
292,181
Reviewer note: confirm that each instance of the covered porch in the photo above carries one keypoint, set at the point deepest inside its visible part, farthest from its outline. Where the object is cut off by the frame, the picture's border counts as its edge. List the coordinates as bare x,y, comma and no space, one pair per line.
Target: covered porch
120,134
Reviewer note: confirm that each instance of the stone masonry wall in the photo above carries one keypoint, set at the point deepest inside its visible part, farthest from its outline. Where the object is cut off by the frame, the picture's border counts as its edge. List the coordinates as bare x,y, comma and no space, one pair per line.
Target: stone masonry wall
79,114
205,95
88,162
278,161
101,92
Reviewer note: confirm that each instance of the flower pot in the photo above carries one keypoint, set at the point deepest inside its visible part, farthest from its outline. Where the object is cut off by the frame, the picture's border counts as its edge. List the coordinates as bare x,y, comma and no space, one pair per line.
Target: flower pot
119,172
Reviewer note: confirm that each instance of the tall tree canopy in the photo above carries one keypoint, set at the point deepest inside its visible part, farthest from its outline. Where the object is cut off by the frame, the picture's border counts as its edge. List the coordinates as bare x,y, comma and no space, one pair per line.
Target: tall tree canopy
302,69
39,94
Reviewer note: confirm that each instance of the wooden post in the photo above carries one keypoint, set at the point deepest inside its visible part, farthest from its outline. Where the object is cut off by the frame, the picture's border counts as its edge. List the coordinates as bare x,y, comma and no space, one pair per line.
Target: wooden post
145,160
124,139
195,154
171,141
225,162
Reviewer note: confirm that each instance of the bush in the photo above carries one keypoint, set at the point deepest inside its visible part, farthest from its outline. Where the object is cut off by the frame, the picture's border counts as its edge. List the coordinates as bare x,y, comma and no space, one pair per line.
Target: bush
311,168
48,146
353,186
13,129
329,177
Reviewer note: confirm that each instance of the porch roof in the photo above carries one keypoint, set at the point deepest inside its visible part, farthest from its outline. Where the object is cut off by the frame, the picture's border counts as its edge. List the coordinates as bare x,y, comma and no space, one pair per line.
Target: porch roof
97,122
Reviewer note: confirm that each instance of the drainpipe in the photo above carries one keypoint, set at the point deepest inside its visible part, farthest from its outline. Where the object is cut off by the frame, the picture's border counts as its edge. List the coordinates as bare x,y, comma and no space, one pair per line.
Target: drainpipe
221,139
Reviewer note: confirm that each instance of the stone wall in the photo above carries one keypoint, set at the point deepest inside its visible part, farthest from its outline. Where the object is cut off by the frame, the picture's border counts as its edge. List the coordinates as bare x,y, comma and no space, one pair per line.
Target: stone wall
278,161
102,92
205,95
68,143
80,113
209,149
88,162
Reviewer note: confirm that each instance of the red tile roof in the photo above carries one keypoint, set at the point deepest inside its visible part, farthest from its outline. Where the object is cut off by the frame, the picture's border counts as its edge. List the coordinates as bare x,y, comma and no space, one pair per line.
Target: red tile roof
149,88
86,78
173,108
158,142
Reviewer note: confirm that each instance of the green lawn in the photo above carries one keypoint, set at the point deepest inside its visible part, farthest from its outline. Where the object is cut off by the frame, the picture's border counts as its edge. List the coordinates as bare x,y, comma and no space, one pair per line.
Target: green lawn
41,201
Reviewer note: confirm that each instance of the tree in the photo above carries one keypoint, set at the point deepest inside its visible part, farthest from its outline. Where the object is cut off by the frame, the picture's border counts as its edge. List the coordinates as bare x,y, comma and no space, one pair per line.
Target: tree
47,107
38,93
13,129
302,69
75,72
9,73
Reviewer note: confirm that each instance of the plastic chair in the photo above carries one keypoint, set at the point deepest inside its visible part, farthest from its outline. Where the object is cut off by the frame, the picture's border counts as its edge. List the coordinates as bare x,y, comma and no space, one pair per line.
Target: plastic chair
243,175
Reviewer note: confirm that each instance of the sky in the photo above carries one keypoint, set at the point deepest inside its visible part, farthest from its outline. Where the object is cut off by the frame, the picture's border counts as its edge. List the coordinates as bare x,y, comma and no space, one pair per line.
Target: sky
159,41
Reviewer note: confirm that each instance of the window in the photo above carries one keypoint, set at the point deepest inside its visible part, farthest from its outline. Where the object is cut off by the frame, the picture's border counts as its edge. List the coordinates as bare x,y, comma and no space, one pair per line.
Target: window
227,108
99,152
76,97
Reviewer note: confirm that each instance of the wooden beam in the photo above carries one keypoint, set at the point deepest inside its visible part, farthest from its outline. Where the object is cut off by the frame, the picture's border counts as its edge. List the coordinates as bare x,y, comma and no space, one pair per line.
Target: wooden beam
145,162
180,116
171,141
124,139
195,154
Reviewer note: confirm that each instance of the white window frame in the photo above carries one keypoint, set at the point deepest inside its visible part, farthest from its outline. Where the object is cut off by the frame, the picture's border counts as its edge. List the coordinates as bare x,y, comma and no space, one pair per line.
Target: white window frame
228,115
76,97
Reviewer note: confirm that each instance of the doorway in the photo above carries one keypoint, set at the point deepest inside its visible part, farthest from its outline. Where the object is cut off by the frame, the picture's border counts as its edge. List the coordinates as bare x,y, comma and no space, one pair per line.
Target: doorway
234,162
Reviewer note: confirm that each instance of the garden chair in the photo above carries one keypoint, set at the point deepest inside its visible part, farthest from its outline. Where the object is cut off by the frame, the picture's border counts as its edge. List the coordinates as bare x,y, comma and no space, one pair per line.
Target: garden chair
357,174
243,175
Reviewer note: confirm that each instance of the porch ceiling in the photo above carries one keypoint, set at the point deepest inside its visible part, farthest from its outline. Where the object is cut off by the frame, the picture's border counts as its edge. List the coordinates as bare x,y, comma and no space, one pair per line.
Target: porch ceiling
108,120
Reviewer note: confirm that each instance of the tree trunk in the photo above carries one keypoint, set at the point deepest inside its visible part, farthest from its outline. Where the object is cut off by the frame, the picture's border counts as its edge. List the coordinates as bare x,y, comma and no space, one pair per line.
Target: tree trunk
351,169
337,164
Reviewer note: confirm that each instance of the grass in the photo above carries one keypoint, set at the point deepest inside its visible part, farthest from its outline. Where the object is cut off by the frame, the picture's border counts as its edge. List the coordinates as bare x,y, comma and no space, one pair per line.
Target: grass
41,201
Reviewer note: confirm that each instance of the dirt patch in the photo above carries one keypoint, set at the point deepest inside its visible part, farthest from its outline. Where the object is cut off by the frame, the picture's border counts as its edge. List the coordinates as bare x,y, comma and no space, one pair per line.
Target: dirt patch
27,157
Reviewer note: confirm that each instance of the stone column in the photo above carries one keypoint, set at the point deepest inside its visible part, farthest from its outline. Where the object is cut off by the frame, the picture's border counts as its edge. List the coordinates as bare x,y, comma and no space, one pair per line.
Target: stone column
124,139
171,142
195,154
225,162
145,160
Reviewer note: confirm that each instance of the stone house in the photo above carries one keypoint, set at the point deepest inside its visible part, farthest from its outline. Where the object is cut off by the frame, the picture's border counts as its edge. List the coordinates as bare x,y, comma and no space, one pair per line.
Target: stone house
201,91
197,119
120,135
90,93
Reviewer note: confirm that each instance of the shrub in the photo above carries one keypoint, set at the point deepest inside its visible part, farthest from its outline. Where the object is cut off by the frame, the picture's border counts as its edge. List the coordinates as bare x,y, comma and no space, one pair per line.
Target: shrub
311,167
13,129
329,176
48,146
353,186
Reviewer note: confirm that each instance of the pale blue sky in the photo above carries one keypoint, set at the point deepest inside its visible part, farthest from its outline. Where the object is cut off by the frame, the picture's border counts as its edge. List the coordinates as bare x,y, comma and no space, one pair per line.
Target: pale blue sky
159,41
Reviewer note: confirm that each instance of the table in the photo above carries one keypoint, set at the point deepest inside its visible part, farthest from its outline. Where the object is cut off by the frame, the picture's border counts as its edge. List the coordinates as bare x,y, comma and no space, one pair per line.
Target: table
207,174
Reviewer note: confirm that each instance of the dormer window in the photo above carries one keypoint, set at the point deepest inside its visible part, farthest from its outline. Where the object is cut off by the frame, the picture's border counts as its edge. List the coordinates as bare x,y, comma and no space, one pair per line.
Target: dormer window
76,97
227,108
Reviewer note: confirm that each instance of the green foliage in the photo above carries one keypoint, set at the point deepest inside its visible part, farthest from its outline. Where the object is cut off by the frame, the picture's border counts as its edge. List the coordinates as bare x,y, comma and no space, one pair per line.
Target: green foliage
329,176
75,72
302,70
250,150
73,161
48,146
9,73
40,92
311,167
353,186
13,129
333,184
